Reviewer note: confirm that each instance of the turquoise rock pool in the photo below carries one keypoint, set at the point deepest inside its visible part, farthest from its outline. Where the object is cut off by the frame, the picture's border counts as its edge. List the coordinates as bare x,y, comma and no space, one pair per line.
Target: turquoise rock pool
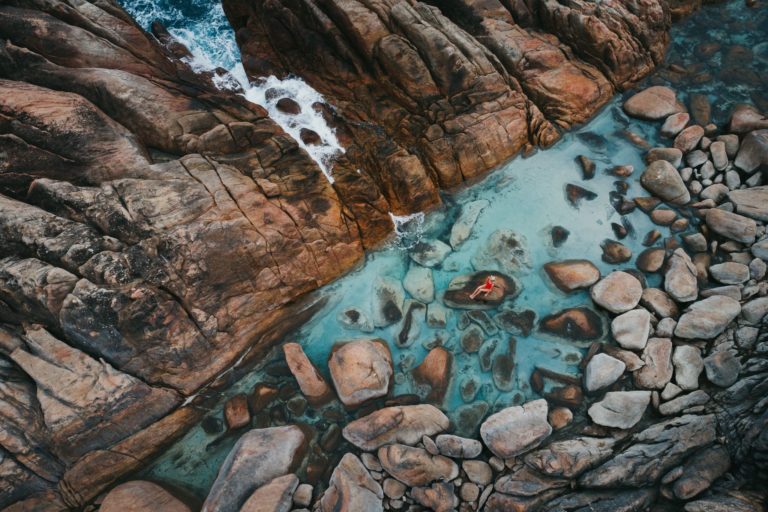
718,53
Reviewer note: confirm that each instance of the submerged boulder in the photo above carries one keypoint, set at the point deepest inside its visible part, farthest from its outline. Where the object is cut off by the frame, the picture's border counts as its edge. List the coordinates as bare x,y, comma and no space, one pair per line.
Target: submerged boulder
430,253
462,228
505,251
387,301
577,324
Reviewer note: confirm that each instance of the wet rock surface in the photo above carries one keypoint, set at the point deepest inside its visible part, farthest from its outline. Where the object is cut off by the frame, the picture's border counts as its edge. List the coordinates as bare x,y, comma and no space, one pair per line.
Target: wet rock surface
495,84
122,292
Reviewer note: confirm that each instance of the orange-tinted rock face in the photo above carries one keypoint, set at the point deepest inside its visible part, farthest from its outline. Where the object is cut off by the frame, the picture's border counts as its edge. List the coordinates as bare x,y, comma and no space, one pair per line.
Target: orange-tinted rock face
431,95
147,276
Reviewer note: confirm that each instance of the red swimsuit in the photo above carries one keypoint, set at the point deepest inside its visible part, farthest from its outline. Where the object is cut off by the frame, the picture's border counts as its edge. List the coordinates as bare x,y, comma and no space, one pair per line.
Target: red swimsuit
488,285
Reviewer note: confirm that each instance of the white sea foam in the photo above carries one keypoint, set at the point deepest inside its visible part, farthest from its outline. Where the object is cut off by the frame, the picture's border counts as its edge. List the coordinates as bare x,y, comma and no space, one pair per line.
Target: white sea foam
211,42
408,228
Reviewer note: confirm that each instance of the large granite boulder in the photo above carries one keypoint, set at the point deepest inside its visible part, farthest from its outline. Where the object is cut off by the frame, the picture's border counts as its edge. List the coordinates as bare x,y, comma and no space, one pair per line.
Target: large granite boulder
731,225
311,383
352,488
361,370
661,179
751,202
274,496
517,429
257,458
654,103
707,318
141,496
405,424
416,467
571,275
617,292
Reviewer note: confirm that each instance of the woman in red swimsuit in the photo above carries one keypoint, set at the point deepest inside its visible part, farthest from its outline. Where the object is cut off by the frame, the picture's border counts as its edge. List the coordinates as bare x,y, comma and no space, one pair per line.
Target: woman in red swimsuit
485,288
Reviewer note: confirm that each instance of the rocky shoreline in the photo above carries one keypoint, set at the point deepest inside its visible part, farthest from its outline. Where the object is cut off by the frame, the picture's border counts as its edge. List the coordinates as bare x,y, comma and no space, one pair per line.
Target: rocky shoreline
155,231
671,416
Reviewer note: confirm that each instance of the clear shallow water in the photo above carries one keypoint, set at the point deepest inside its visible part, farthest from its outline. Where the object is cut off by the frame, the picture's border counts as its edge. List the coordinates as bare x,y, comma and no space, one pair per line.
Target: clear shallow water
526,196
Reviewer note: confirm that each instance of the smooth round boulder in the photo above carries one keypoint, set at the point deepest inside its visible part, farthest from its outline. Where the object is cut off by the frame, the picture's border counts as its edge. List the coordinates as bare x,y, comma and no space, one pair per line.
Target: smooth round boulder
722,369
661,179
617,292
730,272
141,496
360,370
653,103
288,106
